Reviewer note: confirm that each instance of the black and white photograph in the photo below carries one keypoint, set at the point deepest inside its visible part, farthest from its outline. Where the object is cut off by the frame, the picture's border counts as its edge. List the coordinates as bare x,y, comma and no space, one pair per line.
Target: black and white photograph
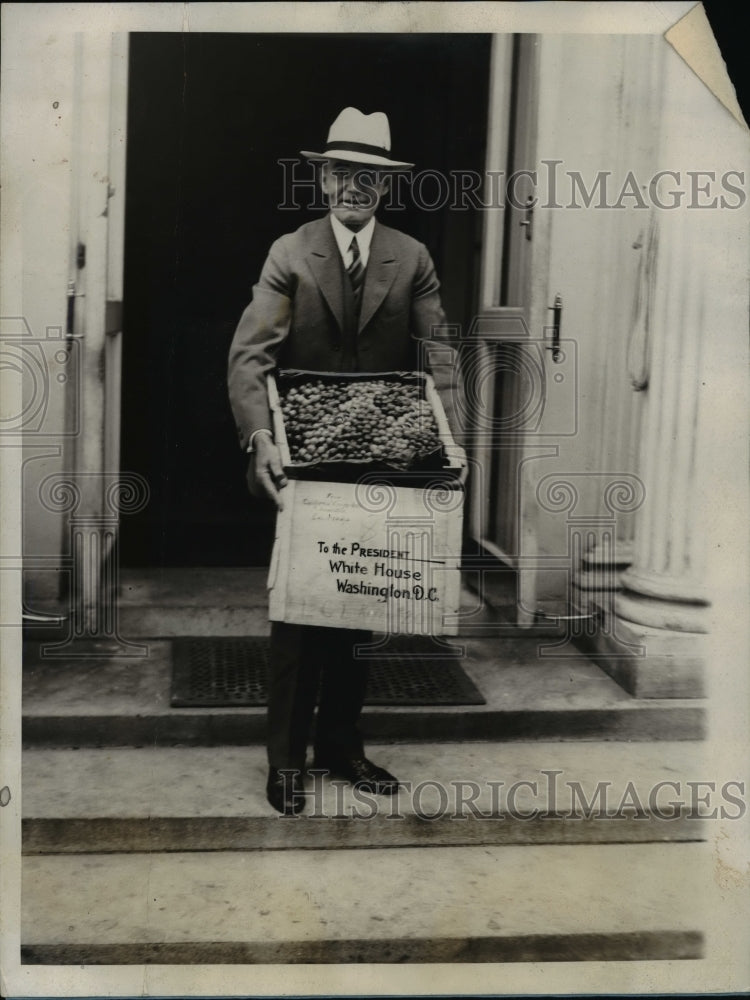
374,522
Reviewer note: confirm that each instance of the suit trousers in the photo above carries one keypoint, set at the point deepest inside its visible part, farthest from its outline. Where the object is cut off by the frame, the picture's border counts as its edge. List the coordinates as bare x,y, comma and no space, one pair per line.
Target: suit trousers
309,664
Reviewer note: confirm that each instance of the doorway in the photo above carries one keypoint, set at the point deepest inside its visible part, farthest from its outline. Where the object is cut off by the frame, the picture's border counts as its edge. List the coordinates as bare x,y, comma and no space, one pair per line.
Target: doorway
209,117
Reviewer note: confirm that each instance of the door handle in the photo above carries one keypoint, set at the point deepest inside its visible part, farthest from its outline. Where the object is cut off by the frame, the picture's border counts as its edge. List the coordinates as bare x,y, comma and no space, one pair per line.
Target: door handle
556,310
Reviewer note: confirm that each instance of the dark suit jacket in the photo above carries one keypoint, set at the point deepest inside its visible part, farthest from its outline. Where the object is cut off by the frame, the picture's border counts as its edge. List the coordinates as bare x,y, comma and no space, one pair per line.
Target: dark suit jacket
298,316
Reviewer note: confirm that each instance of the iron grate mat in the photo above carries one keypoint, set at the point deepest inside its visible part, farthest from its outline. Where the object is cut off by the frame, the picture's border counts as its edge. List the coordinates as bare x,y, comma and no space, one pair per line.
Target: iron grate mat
223,672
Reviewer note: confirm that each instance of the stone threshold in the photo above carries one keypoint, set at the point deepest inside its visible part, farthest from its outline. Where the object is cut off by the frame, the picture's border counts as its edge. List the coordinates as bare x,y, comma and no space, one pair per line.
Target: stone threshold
533,690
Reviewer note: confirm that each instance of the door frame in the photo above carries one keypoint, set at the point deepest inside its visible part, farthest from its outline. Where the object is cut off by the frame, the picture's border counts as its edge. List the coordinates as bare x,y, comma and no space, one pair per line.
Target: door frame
510,256
95,291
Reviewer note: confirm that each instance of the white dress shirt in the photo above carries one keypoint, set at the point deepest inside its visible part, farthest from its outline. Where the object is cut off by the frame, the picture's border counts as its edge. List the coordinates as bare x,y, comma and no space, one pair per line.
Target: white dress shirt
344,240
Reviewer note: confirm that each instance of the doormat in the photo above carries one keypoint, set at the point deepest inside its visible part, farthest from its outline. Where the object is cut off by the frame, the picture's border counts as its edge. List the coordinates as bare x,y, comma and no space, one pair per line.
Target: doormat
223,672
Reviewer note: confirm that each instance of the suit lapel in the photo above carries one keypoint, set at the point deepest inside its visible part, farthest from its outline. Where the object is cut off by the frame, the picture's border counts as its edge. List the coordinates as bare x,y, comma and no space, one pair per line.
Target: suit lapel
325,263
382,268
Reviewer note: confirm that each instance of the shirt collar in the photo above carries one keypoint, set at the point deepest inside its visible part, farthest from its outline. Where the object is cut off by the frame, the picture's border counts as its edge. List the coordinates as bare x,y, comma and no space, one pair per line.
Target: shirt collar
344,237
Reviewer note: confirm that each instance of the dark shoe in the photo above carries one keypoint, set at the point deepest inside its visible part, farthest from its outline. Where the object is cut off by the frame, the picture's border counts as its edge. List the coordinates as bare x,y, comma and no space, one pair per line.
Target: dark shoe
360,772
285,790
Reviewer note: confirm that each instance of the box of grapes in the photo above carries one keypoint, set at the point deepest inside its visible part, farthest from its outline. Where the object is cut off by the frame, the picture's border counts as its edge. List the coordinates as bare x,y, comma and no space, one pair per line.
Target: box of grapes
370,534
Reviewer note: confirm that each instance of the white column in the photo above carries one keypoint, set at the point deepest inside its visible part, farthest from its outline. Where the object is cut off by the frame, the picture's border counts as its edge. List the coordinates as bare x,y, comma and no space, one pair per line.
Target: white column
665,587
655,640
624,288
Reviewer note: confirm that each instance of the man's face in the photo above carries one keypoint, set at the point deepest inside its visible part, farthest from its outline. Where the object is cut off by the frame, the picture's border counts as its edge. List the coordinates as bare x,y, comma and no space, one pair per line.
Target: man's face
354,191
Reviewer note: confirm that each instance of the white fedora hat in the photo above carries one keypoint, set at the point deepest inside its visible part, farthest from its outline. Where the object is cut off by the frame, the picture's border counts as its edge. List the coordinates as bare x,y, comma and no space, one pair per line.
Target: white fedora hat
359,138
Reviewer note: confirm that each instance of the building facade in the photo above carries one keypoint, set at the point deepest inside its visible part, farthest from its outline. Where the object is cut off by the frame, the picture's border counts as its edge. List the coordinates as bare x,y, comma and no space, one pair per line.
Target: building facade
592,247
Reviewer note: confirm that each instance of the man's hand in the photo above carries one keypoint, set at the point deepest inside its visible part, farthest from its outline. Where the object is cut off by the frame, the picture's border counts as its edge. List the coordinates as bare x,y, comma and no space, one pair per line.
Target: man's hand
266,473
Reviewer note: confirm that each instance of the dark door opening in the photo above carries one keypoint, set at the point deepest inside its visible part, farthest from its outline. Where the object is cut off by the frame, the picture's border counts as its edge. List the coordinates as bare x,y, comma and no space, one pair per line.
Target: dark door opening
209,118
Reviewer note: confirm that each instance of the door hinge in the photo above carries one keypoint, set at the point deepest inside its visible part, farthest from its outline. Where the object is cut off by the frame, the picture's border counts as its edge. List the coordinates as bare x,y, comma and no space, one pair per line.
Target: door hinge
113,317
527,222
70,322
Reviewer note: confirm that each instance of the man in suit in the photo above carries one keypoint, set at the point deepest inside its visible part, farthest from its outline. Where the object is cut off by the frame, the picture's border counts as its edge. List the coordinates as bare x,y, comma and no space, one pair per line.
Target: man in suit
341,294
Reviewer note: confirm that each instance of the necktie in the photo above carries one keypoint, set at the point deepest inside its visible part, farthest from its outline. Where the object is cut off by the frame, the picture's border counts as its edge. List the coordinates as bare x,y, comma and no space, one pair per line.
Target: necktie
356,272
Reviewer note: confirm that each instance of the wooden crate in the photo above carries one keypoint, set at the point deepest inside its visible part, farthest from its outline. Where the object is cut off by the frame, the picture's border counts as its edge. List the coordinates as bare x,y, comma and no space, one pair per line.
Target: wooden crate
369,554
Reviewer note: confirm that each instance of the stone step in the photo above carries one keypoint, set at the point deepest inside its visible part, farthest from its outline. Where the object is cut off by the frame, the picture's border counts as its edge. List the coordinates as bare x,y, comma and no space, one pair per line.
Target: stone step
448,904
87,696
200,799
